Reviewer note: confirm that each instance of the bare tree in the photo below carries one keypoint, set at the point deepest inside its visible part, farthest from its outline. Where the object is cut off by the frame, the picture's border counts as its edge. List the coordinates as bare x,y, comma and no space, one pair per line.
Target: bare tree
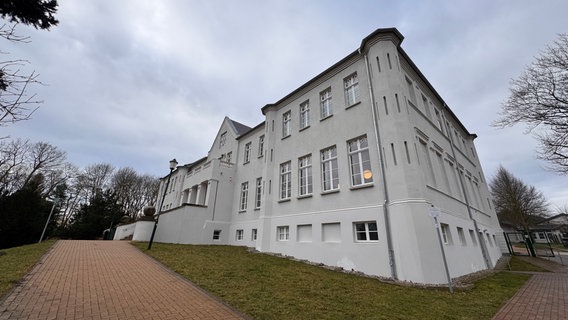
539,98
94,178
133,190
16,104
21,160
516,202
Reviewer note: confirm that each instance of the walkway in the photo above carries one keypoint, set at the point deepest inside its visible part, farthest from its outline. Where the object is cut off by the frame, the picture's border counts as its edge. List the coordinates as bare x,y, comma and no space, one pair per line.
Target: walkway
107,280
544,296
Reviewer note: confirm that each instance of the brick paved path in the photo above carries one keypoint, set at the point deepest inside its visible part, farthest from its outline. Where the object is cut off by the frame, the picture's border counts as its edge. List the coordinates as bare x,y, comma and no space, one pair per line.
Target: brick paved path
107,280
544,296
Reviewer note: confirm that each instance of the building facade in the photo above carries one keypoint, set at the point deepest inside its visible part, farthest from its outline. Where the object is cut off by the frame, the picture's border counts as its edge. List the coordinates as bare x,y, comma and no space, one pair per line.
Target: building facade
348,170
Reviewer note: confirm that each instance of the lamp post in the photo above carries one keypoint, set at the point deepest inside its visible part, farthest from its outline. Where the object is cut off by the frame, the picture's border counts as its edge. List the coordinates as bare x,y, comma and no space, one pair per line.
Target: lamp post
55,202
173,165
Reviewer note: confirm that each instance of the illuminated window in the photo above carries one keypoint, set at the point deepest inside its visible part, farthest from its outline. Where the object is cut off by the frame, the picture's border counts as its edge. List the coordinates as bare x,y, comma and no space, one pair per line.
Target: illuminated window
359,161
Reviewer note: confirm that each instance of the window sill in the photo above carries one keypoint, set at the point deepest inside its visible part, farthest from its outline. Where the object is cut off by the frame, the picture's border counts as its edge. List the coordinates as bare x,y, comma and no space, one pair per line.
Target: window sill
285,137
331,115
256,209
362,186
246,162
368,241
351,106
304,196
284,200
241,211
329,192
304,128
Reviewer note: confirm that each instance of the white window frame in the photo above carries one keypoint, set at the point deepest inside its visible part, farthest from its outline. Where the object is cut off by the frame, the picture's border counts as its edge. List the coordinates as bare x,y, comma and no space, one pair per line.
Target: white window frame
286,180
329,169
304,114
229,154
258,193
351,85
261,146
216,235
283,233
305,180
446,234
326,107
223,139
244,197
461,235
254,234
366,231
247,153
286,124
359,161
239,235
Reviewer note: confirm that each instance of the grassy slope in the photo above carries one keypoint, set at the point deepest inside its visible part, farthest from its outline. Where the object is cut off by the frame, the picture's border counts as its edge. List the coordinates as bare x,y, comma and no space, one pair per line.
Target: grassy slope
15,262
268,287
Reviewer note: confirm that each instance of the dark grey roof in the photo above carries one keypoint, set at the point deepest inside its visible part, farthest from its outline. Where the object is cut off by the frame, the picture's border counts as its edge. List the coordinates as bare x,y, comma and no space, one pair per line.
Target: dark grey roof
241,128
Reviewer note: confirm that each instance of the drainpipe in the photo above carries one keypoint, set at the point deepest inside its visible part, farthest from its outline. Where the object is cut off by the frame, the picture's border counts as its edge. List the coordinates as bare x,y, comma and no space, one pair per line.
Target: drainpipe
481,241
383,171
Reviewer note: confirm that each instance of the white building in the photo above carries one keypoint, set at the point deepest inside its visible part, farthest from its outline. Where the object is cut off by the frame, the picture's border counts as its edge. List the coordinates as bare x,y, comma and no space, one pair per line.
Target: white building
344,171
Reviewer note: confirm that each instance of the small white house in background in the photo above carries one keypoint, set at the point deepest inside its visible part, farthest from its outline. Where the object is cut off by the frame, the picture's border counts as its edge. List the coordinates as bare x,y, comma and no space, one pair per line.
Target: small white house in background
345,171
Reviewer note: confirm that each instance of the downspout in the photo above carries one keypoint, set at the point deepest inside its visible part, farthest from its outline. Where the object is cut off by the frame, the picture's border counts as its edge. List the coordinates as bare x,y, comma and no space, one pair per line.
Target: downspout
462,183
386,215
215,198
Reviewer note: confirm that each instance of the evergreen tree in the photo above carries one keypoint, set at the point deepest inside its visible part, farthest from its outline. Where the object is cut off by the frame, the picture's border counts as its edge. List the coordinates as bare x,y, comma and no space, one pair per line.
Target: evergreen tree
103,212
23,215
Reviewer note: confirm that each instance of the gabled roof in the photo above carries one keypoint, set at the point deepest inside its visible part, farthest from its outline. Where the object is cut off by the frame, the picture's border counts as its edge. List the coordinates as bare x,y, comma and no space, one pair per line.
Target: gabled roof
239,127
553,218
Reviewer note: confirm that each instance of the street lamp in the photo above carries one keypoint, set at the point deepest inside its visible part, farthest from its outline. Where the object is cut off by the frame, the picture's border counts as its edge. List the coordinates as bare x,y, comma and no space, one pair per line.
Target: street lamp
55,202
173,165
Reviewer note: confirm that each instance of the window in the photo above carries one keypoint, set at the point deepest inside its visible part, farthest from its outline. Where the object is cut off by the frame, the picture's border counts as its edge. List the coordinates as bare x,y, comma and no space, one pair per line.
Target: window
223,139
427,163
446,235
330,171
304,233
254,234
411,94
283,233
216,234
461,235
258,193
426,107
229,154
244,196
331,232
286,124
351,85
239,235
472,236
366,231
359,161
247,153
286,180
305,175
304,115
325,104
439,120
261,146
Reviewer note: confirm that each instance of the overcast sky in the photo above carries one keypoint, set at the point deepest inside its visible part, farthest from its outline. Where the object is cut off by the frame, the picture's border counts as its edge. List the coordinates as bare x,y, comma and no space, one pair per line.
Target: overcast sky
139,82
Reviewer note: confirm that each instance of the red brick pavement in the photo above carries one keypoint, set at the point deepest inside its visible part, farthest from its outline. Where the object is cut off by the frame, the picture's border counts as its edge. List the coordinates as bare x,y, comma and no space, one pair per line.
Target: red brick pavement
544,296
106,280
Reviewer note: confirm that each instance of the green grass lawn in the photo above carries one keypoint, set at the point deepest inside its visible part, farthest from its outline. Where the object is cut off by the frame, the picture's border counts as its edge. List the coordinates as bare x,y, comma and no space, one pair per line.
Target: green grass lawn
517,264
15,262
268,287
